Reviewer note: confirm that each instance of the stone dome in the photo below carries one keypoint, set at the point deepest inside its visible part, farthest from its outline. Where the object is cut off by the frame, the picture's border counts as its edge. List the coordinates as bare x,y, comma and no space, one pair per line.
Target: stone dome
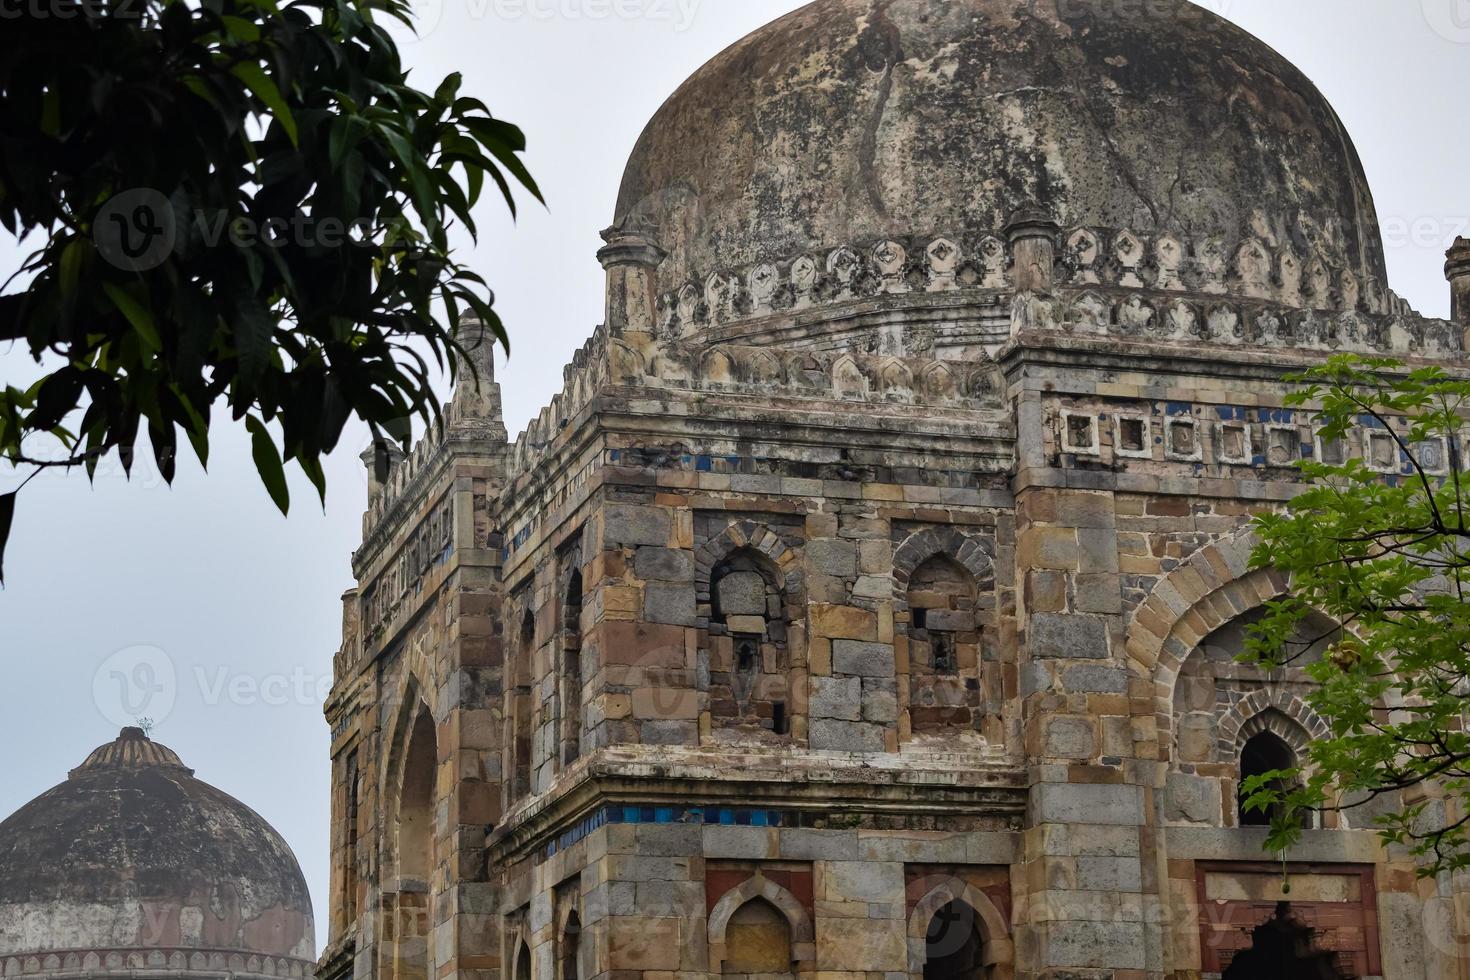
133,864
849,122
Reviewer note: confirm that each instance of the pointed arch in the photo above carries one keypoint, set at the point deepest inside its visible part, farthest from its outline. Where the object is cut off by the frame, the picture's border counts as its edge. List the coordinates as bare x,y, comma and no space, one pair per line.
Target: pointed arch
997,948
411,791
757,538
1269,709
761,888
974,553
569,673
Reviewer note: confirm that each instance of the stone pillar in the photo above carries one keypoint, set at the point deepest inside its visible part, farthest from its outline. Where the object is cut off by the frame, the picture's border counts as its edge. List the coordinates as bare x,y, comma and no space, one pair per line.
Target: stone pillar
1032,235
631,260
476,409
1457,271
369,460
1090,903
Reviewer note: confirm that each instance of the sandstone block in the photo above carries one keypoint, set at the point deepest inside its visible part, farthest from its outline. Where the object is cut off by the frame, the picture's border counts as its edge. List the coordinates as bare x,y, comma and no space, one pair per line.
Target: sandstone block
633,524
1192,799
1109,874
1089,803
1070,738
832,557
664,565
741,594
802,844
839,698
845,736
748,625
669,603
669,733
843,622
1047,547
1074,637
1095,679
862,659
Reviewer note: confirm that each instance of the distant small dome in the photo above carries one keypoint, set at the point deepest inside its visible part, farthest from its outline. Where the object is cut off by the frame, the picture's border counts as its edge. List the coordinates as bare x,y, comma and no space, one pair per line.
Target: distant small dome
133,865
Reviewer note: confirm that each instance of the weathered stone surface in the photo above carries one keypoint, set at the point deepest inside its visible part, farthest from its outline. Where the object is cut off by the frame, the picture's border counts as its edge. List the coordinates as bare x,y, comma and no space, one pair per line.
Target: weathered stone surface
1073,637
669,603
1185,117
853,658
629,524
829,557
839,698
741,594
845,736
1088,804
1192,799
1095,679
664,564
1070,738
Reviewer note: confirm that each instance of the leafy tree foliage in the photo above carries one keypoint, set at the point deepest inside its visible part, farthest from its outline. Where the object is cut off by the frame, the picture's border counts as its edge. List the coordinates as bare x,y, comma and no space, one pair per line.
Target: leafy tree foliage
1387,556
241,205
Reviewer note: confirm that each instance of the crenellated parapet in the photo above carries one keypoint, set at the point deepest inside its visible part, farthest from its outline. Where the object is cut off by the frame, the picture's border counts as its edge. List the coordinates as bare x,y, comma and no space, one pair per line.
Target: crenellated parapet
839,375
1249,270
580,381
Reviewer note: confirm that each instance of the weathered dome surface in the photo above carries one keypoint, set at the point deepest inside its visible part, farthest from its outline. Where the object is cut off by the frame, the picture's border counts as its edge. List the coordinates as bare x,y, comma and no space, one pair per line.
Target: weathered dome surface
850,121
134,863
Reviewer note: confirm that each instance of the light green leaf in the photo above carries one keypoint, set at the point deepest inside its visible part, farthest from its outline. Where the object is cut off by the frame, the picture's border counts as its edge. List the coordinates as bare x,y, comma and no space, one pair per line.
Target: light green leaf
268,463
140,318
265,90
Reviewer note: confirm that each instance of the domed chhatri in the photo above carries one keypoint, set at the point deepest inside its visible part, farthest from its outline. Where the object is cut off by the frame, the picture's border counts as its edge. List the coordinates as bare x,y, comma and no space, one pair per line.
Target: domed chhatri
133,864
849,122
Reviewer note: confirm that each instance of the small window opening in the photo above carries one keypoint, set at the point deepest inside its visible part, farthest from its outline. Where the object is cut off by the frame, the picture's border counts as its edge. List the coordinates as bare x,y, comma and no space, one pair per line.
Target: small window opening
1264,753
945,661
1132,435
1079,431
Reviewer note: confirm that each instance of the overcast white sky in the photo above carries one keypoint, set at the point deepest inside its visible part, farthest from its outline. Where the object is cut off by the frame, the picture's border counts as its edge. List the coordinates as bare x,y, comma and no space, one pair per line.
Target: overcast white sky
237,609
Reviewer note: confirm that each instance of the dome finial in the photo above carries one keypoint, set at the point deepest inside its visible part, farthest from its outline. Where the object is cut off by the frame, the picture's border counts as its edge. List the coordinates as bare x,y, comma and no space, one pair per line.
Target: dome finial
132,749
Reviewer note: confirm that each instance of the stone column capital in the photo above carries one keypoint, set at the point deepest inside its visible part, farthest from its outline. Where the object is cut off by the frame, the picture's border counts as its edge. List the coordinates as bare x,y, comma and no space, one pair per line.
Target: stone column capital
628,247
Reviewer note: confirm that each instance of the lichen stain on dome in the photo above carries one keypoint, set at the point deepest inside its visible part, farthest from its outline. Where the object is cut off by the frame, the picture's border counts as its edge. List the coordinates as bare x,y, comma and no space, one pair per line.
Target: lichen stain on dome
851,120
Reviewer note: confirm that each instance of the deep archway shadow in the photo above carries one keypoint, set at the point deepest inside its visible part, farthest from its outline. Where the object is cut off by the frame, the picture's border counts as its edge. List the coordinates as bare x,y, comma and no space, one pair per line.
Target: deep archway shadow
953,944
1284,948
